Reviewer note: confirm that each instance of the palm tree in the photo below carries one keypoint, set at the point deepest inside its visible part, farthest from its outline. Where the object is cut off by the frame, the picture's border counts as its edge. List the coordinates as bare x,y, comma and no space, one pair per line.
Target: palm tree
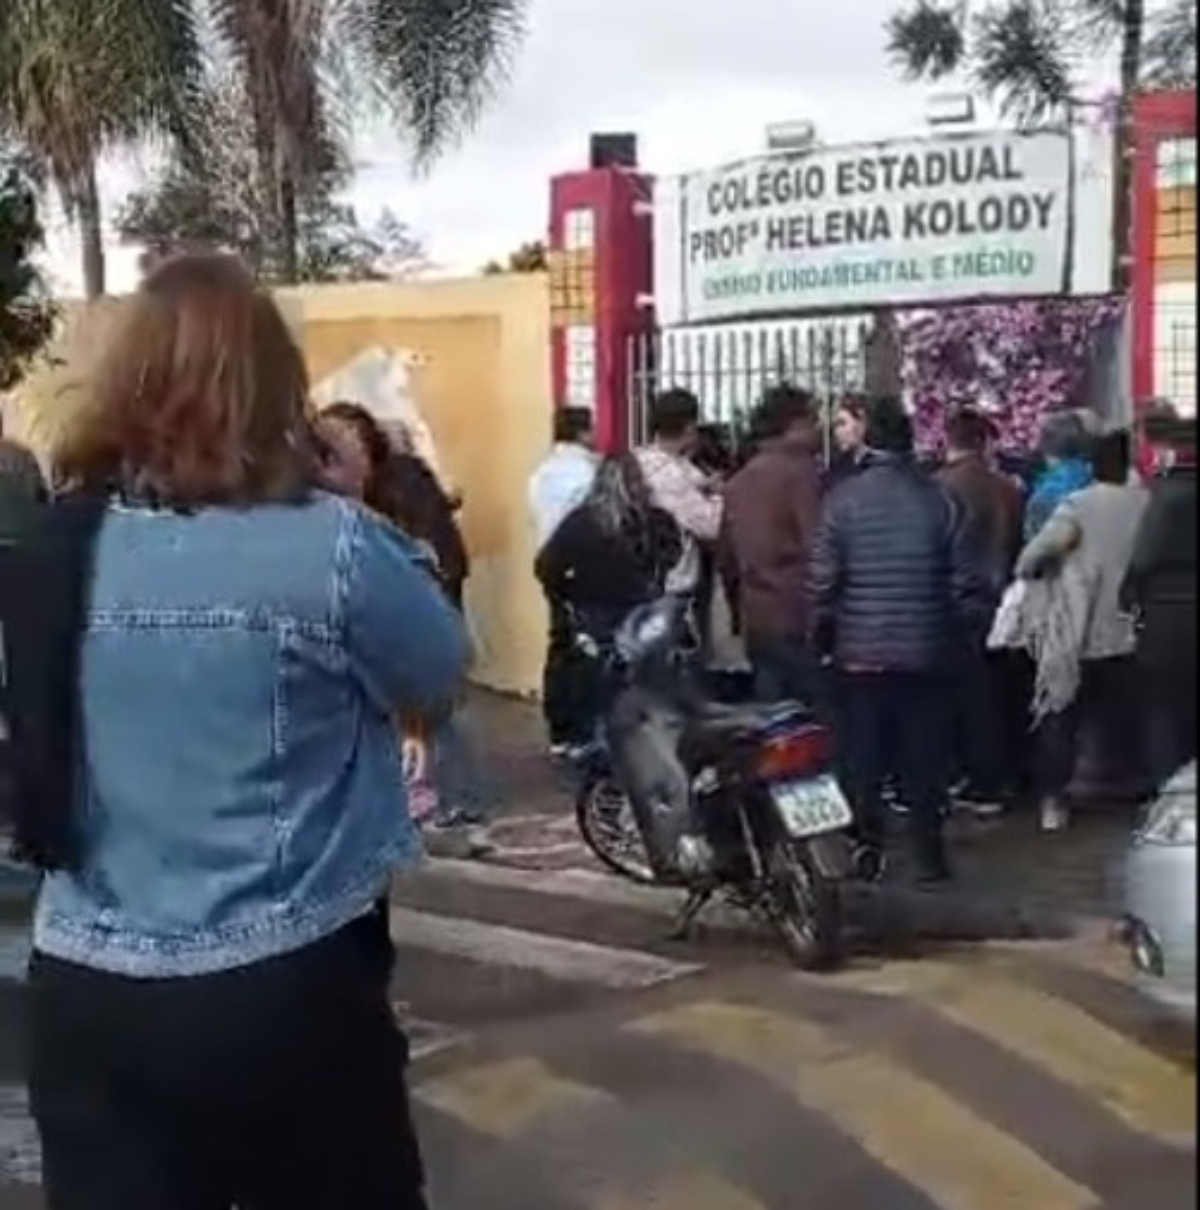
309,65
1024,55
80,77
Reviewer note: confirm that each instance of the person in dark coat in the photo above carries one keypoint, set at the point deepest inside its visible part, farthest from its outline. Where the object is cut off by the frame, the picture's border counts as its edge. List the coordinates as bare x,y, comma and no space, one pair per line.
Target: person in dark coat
1160,586
612,553
398,484
772,508
22,500
989,507
427,511
22,487
893,583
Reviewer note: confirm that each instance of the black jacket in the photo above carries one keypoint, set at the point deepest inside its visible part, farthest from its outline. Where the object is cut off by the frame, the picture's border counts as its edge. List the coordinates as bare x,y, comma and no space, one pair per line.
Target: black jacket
22,488
415,500
1161,581
1163,565
603,574
894,584
842,466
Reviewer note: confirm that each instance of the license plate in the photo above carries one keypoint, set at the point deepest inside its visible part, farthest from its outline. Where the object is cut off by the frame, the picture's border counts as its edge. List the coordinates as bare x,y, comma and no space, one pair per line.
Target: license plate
809,808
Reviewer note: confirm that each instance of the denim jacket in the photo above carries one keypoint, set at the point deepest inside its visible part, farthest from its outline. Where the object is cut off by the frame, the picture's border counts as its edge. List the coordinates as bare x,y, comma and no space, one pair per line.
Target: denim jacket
241,790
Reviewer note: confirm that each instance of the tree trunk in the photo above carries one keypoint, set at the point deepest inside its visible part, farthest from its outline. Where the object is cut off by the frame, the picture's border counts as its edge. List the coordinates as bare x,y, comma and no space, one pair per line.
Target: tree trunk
1132,39
91,233
1068,266
289,230
268,187
884,369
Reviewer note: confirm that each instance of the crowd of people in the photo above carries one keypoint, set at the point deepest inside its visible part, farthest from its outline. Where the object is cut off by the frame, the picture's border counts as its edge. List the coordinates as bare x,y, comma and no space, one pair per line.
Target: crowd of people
232,651
966,624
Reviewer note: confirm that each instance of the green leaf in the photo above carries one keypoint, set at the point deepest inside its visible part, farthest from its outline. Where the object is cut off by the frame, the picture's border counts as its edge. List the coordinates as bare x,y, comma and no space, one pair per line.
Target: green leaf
26,312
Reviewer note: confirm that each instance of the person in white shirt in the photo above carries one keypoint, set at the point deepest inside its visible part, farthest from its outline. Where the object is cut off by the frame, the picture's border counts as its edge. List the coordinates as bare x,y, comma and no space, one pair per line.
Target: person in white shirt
558,486
564,477
677,485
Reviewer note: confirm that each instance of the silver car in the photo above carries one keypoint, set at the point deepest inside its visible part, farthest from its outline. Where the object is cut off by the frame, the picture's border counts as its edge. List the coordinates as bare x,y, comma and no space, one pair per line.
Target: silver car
1159,925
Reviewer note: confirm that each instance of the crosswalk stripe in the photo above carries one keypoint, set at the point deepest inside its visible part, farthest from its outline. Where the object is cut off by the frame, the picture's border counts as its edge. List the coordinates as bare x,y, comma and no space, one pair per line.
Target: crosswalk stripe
1143,1089
697,1191
507,1098
554,957
583,885
592,885
912,1127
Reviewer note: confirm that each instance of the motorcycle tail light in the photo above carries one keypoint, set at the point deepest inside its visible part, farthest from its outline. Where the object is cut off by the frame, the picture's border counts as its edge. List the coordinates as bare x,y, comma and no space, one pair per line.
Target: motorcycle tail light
803,753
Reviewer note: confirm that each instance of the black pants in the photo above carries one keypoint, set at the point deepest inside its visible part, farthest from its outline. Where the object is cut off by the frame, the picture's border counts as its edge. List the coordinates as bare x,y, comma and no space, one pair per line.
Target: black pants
977,725
1107,701
566,684
785,669
280,1086
896,723
1167,673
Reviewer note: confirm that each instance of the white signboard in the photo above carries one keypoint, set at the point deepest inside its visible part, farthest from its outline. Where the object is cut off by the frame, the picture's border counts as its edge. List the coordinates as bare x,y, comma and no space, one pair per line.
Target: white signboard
983,215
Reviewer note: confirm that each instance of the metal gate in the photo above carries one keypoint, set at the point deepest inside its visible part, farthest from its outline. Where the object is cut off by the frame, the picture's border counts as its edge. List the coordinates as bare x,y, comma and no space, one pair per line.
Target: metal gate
728,366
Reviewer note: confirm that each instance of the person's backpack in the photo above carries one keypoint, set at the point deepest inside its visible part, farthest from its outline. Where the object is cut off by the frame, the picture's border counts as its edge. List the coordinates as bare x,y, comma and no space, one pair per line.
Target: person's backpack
45,576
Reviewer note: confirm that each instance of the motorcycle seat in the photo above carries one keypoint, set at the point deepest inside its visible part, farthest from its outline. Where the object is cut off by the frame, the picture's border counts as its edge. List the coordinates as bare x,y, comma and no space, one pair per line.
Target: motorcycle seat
719,718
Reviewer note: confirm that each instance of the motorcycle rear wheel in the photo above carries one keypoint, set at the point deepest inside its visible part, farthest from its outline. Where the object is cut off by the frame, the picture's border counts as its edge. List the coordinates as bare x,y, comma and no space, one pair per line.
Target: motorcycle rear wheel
605,819
805,907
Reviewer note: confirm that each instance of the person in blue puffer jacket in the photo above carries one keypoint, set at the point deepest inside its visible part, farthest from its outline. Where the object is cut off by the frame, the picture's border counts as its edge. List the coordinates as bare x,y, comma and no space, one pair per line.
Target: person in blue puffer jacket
895,587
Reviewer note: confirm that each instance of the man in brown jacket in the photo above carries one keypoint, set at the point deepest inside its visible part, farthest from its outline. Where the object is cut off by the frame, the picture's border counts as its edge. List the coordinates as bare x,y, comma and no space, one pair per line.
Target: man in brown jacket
990,503
772,508
990,507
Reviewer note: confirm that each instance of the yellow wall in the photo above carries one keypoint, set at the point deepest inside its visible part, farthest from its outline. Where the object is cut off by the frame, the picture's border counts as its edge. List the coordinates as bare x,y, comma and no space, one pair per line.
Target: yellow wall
484,390
485,393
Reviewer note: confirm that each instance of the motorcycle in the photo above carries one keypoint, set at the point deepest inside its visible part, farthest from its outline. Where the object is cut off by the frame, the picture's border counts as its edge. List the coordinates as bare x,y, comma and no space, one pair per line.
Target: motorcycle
732,800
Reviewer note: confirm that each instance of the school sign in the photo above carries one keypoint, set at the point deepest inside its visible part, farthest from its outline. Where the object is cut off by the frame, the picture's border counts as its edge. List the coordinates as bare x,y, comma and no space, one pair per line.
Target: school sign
992,215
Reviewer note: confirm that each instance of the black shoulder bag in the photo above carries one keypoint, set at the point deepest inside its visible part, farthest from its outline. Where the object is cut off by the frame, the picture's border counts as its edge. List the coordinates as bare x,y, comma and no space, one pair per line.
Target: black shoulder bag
45,581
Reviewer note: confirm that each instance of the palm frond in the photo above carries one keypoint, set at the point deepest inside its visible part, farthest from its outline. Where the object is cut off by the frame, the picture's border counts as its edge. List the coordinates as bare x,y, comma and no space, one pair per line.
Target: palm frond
78,76
1170,51
434,64
1096,25
276,47
928,40
160,52
1023,59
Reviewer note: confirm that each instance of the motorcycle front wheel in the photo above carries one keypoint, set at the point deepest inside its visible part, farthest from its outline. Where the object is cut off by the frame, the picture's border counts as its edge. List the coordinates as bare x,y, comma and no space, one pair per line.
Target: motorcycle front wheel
606,822
805,906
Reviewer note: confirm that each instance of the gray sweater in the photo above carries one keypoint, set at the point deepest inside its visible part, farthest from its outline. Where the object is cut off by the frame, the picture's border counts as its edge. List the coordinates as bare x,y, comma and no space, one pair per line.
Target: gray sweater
1095,529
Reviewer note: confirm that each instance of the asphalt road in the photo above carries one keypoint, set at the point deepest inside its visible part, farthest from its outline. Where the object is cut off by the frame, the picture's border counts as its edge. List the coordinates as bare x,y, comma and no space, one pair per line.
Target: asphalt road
569,1058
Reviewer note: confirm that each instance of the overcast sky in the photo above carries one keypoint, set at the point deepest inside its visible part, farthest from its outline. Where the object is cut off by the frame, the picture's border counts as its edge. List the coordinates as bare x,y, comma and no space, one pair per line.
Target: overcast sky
697,80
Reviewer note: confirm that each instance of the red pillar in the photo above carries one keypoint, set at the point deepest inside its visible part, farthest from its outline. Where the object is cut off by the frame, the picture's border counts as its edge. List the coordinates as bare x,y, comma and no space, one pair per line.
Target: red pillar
1156,116
600,267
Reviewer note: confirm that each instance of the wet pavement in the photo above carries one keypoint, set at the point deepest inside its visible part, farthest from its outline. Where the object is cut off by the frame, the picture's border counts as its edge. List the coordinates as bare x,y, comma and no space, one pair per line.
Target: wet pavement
1060,880
569,1057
